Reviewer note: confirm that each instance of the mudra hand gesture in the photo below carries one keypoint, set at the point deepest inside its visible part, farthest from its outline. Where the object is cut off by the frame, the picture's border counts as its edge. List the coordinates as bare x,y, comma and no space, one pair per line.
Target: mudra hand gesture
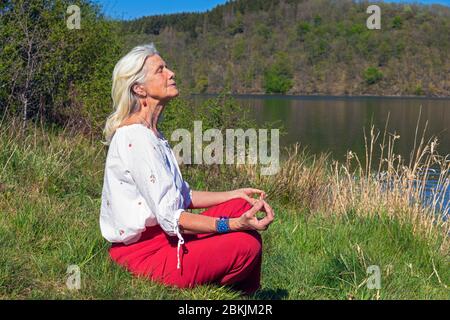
249,220
247,194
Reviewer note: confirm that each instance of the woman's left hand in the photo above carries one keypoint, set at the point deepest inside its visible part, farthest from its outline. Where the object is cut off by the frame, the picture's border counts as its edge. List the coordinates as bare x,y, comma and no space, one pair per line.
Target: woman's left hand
247,194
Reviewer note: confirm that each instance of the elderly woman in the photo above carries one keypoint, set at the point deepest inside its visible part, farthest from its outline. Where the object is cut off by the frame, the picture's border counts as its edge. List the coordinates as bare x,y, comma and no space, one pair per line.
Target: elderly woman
144,197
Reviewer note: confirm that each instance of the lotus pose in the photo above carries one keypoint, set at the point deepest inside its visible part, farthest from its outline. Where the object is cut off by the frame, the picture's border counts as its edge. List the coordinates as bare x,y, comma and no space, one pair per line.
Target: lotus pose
144,198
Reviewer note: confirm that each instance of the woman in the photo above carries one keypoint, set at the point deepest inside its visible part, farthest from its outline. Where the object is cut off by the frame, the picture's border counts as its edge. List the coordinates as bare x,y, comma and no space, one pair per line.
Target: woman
144,198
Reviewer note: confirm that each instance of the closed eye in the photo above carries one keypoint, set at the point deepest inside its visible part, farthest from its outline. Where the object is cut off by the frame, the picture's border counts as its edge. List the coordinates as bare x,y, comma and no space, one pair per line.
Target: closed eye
161,67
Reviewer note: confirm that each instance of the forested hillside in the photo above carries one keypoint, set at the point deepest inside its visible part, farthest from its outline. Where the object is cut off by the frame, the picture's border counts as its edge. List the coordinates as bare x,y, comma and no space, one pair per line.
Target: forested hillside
304,47
246,46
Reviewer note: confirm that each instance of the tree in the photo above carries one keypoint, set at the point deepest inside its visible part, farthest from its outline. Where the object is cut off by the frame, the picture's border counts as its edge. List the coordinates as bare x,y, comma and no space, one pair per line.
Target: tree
372,75
278,77
50,71
302,29
397,22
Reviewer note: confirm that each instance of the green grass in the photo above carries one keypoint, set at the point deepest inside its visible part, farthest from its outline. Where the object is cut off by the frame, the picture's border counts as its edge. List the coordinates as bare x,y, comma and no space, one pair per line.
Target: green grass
50,202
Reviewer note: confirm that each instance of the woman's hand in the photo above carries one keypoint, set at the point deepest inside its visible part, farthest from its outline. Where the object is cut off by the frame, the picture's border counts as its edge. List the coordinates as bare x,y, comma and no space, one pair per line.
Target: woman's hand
249,221
247,194
206,199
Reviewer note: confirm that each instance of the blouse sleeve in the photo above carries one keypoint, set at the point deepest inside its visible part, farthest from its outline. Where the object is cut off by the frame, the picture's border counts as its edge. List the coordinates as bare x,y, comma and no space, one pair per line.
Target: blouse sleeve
153,181
187,194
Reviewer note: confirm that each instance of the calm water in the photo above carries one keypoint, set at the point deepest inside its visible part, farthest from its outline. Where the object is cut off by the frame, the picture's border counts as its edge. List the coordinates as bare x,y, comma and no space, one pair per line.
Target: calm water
335,124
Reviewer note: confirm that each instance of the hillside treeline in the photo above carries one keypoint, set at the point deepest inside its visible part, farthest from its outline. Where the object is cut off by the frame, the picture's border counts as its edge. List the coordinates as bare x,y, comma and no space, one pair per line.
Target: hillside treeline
305,47
49,71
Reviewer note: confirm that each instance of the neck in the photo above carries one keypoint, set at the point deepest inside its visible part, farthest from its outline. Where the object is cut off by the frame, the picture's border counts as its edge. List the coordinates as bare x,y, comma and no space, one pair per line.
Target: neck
150,116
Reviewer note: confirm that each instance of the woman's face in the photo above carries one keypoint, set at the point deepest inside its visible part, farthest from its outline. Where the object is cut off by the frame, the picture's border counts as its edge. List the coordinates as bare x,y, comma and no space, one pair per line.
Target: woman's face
160,80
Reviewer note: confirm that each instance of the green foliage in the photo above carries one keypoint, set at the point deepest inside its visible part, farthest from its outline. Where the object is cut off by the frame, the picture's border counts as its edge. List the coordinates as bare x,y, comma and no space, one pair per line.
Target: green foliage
397,22
302,29
357,28
51,71
318,47
64,76
237,26
278,76
202,84
262,30
384,53
239,49
330,36
408,12
372,75
418,90
247,76
221,112
317,20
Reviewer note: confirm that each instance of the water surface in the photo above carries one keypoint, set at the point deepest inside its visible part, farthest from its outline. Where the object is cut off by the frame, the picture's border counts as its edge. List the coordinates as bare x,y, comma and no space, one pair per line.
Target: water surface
337,124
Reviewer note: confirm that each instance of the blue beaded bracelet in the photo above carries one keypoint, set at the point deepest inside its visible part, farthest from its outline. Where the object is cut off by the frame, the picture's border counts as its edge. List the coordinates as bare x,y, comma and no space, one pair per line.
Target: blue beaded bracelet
223,225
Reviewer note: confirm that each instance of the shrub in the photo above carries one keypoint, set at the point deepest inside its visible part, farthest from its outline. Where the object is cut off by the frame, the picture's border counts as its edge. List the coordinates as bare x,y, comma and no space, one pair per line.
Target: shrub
397,22
278,77
418,91
372,75
51,71
302,29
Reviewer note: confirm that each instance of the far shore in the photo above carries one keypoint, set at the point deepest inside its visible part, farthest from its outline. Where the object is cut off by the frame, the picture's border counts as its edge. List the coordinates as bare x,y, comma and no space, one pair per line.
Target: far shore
306,96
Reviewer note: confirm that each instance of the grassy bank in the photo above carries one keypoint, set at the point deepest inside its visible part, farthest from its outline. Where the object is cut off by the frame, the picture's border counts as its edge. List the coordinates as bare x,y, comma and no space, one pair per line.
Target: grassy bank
319,246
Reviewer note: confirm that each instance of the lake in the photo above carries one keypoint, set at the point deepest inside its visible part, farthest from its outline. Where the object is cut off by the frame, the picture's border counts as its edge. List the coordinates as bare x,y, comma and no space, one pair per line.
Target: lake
336,124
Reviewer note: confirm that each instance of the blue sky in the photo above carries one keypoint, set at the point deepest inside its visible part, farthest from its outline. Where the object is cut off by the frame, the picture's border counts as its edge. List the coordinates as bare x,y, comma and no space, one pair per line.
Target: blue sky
130,9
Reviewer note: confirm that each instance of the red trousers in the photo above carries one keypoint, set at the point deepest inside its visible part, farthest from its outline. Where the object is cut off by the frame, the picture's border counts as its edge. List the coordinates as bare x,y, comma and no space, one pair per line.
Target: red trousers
227,259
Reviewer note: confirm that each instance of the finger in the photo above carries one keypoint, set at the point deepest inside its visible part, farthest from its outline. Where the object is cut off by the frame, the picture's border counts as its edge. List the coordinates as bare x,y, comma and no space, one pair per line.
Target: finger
264,224
253,191
270,215
258,205
269,209
252,201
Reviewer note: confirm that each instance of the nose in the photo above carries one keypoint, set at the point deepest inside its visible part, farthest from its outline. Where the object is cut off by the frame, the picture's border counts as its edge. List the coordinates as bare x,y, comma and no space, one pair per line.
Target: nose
171,74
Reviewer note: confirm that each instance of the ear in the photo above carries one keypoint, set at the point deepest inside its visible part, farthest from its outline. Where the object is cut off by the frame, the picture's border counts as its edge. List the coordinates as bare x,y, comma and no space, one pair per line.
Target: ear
139,90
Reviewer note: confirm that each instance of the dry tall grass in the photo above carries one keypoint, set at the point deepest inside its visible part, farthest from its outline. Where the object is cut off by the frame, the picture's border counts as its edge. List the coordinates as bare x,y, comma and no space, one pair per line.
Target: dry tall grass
386,184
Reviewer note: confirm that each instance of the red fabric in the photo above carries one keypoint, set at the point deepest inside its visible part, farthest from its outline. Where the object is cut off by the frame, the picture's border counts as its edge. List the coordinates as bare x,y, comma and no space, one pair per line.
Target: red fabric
228,259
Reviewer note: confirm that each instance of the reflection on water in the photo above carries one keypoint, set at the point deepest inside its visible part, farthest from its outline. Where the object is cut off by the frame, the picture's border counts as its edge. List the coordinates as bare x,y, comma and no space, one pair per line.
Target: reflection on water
435,195
336,124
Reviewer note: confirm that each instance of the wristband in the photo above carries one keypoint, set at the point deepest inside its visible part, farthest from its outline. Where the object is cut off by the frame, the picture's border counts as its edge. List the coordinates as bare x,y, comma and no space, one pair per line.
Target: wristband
223,225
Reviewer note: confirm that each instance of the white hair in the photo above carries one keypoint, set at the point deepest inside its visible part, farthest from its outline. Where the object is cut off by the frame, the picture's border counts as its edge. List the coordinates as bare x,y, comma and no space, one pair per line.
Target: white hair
127,72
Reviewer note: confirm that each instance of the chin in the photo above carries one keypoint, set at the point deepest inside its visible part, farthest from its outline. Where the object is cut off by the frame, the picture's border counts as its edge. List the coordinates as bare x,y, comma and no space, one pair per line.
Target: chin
169,96
174,93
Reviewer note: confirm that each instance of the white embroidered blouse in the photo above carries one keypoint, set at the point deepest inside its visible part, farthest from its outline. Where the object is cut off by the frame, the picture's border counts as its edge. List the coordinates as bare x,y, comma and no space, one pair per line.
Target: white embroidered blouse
142,187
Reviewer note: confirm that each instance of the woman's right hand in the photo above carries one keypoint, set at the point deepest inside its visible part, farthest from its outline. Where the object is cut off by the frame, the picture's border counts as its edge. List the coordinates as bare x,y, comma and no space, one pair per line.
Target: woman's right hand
249,221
